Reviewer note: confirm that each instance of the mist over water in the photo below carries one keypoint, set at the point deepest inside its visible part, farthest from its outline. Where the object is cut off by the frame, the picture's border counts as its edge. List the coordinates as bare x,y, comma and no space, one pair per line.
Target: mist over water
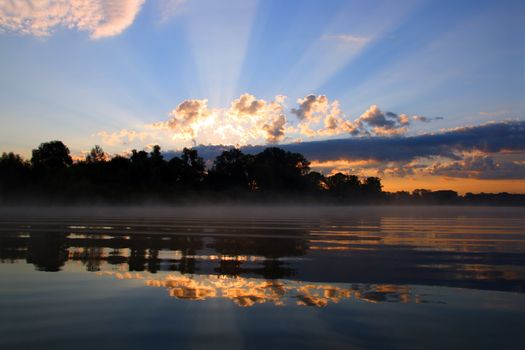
258,277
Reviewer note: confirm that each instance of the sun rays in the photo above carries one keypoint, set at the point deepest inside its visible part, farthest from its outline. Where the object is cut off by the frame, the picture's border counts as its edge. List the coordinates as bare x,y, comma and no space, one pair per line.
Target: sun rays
122,74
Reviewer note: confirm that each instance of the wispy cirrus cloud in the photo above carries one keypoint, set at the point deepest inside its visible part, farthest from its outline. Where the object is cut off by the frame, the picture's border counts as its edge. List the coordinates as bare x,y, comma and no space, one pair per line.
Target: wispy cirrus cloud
494,113
101,18
347,38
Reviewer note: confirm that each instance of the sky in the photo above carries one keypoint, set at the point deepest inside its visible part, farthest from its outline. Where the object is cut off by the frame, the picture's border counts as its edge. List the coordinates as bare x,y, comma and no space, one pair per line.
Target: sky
438,86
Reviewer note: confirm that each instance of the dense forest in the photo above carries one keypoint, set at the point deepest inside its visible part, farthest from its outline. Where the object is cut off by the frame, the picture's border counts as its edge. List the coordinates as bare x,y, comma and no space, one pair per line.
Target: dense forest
271,176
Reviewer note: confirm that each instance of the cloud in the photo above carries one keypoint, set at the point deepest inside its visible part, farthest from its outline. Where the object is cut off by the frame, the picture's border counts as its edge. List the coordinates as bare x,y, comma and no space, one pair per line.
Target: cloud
247,119
335,124
123,137
495,113
247,105
313,109
187,118
460,152
479,167
347,39
485,138
488,151
101,18
253,120
267,116
373,120
420,118
310,107
275,129
377,144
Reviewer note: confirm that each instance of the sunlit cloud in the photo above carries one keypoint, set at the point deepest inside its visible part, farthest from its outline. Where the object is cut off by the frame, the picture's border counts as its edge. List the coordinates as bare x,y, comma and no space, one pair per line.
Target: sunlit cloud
247,105
375,121
267,116
123,137
187,118
41,17
250,120
359,167
376,143
481,167
313,109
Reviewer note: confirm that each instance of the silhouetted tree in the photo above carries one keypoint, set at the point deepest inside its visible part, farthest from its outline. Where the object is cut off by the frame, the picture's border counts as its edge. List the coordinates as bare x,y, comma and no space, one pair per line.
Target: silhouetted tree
344,186
175,170
277,169
231,169
371,189
157,167
13,170
420,192
51,155
52,175
140,169
96,155
139,157
316,182
118,168
194,169
372,185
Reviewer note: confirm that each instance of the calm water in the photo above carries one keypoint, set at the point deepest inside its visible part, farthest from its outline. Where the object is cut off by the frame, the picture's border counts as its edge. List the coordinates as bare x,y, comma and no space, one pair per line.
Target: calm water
399,278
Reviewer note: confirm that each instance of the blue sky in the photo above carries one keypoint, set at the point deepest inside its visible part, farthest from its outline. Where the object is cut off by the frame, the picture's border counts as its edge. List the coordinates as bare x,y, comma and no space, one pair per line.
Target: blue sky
83,79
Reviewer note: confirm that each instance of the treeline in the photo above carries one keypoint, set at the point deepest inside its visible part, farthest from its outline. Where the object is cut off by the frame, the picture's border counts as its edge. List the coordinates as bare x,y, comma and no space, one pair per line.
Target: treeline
273,175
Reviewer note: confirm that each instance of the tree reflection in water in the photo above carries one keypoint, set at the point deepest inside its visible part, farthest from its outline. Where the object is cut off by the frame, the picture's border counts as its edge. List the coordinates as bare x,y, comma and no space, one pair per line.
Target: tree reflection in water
365,250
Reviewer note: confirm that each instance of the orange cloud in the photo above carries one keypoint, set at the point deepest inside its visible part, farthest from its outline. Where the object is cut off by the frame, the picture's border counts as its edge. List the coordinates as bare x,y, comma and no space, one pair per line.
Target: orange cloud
101,18
247,292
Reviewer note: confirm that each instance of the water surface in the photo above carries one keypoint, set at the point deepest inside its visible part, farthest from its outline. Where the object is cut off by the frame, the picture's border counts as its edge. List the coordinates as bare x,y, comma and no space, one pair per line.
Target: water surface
258,277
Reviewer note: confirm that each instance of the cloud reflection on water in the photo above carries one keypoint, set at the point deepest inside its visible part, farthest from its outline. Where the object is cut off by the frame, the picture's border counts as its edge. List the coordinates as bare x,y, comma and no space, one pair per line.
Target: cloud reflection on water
246,292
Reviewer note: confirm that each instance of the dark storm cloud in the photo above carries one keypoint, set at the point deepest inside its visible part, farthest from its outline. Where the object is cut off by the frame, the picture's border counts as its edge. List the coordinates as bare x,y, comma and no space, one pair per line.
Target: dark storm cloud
486,138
